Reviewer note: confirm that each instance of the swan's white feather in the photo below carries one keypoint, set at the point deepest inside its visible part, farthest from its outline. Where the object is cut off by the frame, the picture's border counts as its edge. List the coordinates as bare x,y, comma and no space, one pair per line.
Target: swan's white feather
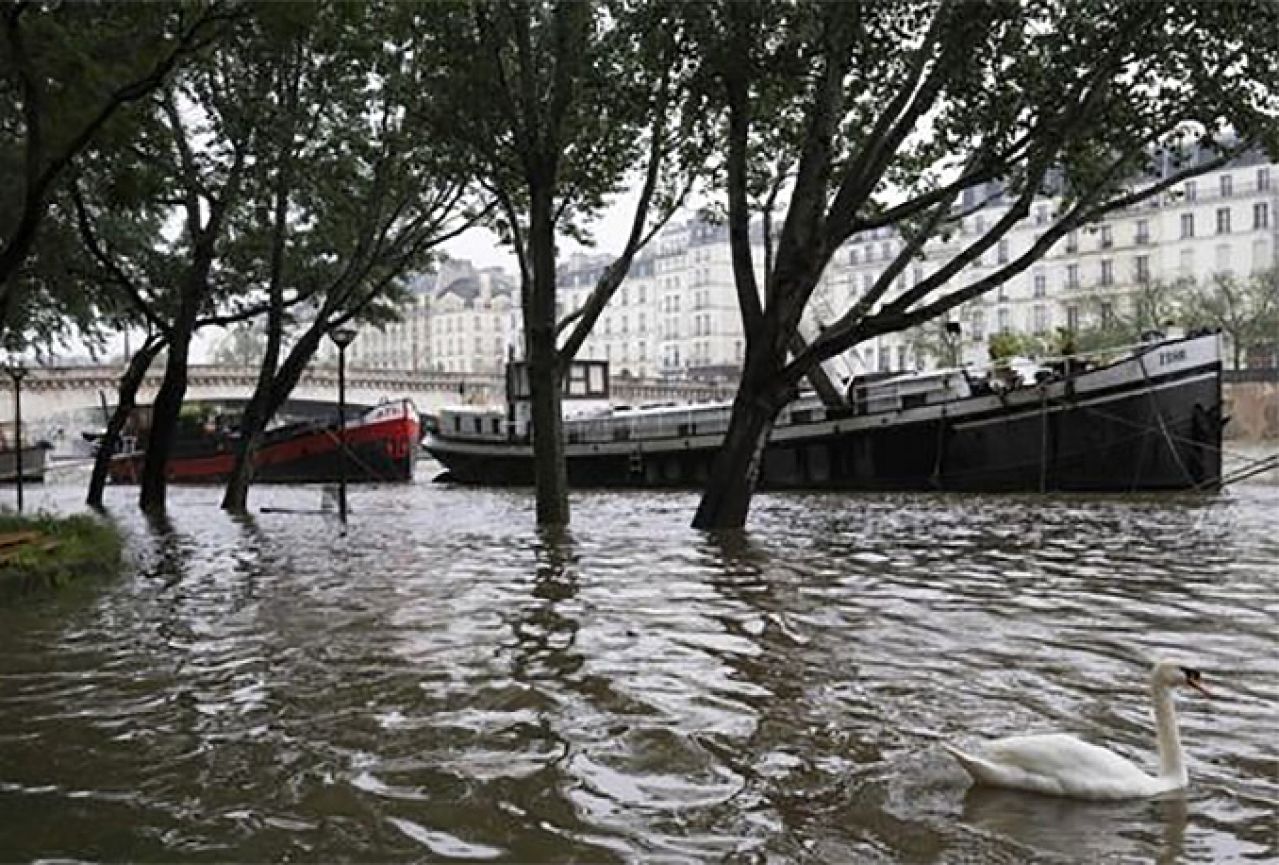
1059,765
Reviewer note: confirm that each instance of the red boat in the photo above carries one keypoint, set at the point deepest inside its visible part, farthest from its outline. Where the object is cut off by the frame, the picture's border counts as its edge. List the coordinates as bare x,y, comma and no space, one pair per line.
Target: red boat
380,445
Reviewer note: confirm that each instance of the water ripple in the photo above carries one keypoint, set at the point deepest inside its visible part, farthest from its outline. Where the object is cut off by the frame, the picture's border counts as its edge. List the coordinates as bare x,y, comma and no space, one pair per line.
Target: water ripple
444,681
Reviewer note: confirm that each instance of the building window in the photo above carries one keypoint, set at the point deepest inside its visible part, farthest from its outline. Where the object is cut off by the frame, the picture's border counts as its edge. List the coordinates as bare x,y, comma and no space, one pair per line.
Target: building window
1143,231
1003,252
1141,268
1261,214
1107,314
1072,318
1107,272
1187,225
884,360
1263,178
1227,186
1192,190
1072,242
1041,214
1041,283
1040,318
852,256
1004,317
979,325
1107,237
1223,220
1072,276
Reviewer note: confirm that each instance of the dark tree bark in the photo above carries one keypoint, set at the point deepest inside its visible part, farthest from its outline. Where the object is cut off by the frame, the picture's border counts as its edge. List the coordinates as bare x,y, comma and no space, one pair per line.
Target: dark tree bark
736,470
268,397
545,373
166,409
44,165
126,402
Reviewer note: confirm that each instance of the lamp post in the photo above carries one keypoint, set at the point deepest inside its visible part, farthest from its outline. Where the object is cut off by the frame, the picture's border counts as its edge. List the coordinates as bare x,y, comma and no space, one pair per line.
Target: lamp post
342,337
17,372
952,342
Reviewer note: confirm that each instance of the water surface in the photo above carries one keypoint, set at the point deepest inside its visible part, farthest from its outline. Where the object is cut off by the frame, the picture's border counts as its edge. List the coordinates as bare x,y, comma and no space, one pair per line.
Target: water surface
442,682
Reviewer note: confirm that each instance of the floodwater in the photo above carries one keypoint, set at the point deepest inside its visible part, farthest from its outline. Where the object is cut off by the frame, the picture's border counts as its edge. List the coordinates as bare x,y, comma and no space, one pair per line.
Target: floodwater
444,683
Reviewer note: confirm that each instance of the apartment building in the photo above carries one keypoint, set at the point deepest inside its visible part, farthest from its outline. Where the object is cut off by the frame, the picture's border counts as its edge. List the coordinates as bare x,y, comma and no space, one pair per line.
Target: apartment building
676,313
1222,222
459,318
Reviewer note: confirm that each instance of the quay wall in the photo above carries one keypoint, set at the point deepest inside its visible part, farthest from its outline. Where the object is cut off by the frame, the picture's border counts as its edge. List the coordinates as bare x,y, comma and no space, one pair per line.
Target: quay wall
1253,407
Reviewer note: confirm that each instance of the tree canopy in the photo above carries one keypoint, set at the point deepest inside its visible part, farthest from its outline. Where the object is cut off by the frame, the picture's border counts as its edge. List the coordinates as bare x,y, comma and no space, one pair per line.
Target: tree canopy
912,115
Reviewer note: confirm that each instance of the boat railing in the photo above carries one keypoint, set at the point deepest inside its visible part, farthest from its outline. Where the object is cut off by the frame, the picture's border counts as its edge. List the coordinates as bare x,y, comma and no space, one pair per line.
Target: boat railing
626,426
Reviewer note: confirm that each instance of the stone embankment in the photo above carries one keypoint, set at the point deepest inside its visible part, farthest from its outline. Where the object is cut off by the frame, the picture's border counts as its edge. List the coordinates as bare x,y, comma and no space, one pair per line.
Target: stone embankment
1253,408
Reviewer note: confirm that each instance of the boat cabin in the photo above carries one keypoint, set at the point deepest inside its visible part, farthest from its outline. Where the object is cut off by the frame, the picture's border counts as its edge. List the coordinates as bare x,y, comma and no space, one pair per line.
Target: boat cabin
869,395
585,394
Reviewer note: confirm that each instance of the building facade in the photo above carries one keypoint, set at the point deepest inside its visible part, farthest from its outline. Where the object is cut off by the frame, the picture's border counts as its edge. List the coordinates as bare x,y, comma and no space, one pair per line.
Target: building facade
676,313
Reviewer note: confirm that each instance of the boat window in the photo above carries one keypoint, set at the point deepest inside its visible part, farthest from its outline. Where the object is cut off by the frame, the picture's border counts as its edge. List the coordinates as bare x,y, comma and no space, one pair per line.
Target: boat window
577,380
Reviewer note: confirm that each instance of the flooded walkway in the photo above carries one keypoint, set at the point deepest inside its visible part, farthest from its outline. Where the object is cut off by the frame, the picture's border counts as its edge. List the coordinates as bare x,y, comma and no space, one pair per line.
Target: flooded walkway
443,682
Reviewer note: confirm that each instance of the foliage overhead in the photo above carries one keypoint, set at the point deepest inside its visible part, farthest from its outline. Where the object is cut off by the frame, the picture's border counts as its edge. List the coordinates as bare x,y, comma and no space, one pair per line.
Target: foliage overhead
885,114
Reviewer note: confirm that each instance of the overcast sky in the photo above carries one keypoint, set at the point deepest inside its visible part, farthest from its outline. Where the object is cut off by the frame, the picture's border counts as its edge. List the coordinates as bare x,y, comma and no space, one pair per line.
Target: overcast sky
483,249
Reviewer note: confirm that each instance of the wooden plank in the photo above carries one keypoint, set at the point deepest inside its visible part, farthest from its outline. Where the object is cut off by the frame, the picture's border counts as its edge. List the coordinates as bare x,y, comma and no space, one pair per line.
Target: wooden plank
11,539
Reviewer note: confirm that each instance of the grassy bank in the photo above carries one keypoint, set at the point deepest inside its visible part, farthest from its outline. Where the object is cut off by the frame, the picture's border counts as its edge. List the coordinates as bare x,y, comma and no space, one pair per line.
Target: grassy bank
42,554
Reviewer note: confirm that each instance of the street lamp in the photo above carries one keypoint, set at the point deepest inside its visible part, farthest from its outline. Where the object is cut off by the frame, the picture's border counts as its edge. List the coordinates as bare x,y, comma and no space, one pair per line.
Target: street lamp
952,341
342,337
17,372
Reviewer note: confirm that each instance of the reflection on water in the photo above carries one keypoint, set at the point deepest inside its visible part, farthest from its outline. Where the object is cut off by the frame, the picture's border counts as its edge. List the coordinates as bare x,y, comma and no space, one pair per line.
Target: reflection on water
445,682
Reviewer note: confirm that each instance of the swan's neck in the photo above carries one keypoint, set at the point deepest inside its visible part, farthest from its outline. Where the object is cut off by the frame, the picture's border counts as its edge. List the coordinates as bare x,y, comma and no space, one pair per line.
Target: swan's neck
1172,764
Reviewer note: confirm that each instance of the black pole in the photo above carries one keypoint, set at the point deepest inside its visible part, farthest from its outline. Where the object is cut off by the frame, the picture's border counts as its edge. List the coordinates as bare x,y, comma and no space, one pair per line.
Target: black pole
342,433
17,431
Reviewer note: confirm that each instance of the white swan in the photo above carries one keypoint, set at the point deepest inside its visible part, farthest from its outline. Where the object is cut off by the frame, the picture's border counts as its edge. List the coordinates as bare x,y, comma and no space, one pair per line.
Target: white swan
1060,765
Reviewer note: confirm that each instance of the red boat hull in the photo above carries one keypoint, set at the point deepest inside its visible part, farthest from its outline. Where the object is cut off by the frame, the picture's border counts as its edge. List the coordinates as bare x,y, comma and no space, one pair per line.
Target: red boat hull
381,446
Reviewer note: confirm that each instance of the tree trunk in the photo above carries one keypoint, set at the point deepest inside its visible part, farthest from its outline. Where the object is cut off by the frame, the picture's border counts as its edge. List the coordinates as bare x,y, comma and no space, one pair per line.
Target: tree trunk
268,397
735,473
549,471
127,397
738,463
236,496
164,424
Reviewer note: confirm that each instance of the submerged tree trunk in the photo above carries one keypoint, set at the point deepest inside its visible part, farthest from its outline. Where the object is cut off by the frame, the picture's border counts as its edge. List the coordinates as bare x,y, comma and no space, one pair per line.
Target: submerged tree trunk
735,473
236,496
546,387
267,399
126,401
164,426
736,470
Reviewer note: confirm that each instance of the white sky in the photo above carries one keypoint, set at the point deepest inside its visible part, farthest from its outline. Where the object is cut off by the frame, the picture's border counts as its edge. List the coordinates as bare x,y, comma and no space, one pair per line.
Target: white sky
483,248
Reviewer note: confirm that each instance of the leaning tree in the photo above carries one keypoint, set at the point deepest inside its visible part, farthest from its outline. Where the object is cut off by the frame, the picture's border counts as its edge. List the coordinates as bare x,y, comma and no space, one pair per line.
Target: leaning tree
356,184
906,105
67,70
